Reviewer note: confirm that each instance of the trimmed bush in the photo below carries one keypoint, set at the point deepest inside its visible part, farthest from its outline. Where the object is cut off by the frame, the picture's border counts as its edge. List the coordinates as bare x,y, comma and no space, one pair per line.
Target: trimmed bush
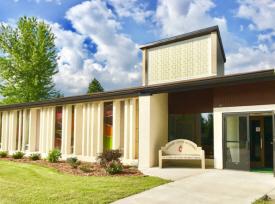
35,156
18,155
74,164
114,167
54,155
4,154
86,168
108,155
71,158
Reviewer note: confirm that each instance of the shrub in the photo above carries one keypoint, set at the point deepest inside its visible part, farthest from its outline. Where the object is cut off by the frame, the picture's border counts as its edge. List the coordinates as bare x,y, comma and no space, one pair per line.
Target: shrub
114,167
35,156
86,168
18,155
108,155
74,164
54,155
4,154
73,158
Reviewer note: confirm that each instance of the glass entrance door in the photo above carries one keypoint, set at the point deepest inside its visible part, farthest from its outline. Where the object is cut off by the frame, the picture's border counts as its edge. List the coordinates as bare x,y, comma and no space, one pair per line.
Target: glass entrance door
236,142
257,133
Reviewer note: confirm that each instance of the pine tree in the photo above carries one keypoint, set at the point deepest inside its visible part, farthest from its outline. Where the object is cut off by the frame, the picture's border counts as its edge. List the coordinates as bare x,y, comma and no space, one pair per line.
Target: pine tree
95,87
28,62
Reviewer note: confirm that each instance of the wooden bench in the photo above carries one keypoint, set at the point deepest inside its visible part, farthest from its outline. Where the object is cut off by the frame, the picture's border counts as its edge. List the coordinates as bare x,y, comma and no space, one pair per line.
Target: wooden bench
182,150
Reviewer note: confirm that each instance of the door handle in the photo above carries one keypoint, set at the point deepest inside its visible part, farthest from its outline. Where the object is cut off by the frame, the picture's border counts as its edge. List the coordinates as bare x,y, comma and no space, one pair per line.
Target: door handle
261,143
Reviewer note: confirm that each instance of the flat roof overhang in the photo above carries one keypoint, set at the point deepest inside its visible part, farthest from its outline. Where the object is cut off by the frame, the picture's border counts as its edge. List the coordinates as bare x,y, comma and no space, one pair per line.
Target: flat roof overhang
183,85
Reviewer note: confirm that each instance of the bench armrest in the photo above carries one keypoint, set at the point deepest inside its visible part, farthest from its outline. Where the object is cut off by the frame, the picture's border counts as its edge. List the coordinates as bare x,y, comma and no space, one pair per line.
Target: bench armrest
160,159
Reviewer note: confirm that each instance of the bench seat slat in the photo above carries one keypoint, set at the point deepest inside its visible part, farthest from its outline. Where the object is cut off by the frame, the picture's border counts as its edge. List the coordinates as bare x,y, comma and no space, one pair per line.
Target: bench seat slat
181,155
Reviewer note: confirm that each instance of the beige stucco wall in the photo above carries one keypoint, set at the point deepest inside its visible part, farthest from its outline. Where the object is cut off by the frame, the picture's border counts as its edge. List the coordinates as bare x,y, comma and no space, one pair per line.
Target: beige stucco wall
153,128
186,59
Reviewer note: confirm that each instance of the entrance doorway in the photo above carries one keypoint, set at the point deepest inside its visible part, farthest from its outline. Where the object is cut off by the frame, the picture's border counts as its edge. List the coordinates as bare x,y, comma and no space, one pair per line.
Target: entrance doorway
261,142
248,141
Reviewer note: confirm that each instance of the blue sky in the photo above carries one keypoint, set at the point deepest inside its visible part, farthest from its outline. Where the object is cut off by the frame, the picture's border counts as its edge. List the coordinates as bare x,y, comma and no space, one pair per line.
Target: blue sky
100,38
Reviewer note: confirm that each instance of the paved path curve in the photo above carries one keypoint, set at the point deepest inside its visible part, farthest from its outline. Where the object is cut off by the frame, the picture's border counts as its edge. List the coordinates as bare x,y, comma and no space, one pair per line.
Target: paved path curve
204,186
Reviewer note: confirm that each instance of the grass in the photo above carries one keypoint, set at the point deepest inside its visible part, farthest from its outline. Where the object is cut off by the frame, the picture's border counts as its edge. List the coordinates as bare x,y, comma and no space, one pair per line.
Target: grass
263,202
259,170
29,183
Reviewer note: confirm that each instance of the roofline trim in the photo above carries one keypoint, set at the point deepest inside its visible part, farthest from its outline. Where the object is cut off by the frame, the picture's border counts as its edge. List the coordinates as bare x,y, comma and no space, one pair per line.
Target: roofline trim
207,82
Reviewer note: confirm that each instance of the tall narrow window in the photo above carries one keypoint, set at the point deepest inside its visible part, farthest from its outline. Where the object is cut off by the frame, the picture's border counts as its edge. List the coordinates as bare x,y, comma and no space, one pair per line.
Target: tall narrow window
58,127
1,130
72,131
27,135
108,126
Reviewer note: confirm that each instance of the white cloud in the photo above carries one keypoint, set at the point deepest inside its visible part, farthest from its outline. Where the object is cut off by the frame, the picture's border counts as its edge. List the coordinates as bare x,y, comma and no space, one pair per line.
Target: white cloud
249,59
261,12
71,79
37,1
177,17
266,37
130,8
241,27
251,27
115,63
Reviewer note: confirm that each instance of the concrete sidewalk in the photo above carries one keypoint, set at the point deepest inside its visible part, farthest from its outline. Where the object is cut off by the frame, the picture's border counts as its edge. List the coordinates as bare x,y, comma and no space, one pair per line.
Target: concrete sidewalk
205,186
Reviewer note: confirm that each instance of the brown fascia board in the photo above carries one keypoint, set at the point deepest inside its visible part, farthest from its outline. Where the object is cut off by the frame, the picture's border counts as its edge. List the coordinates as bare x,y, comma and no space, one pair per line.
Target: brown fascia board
184,85
186,36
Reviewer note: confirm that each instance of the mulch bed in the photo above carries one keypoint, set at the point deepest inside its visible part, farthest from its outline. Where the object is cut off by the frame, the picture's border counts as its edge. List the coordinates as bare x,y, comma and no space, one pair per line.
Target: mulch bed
63,167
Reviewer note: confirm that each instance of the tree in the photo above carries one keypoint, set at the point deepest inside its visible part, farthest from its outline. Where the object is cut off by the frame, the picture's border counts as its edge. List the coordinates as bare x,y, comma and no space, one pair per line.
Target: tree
28,62
95,87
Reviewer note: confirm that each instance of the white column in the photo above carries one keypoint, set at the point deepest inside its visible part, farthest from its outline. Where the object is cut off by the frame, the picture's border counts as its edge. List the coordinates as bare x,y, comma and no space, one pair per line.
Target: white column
132,126
218,139
153,128
5,130
126,128
48,131
24,130
41,141
78,114
88,131
13,125
100,127
116,124
84,130
44,129
20,130
32,130
94,126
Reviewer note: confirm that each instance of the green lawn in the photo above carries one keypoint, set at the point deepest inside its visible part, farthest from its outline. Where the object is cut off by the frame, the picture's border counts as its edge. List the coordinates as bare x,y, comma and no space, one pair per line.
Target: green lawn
264,202
28,183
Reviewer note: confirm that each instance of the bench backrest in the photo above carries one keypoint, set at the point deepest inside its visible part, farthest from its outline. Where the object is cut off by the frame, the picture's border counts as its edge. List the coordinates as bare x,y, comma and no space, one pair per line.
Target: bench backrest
181,146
